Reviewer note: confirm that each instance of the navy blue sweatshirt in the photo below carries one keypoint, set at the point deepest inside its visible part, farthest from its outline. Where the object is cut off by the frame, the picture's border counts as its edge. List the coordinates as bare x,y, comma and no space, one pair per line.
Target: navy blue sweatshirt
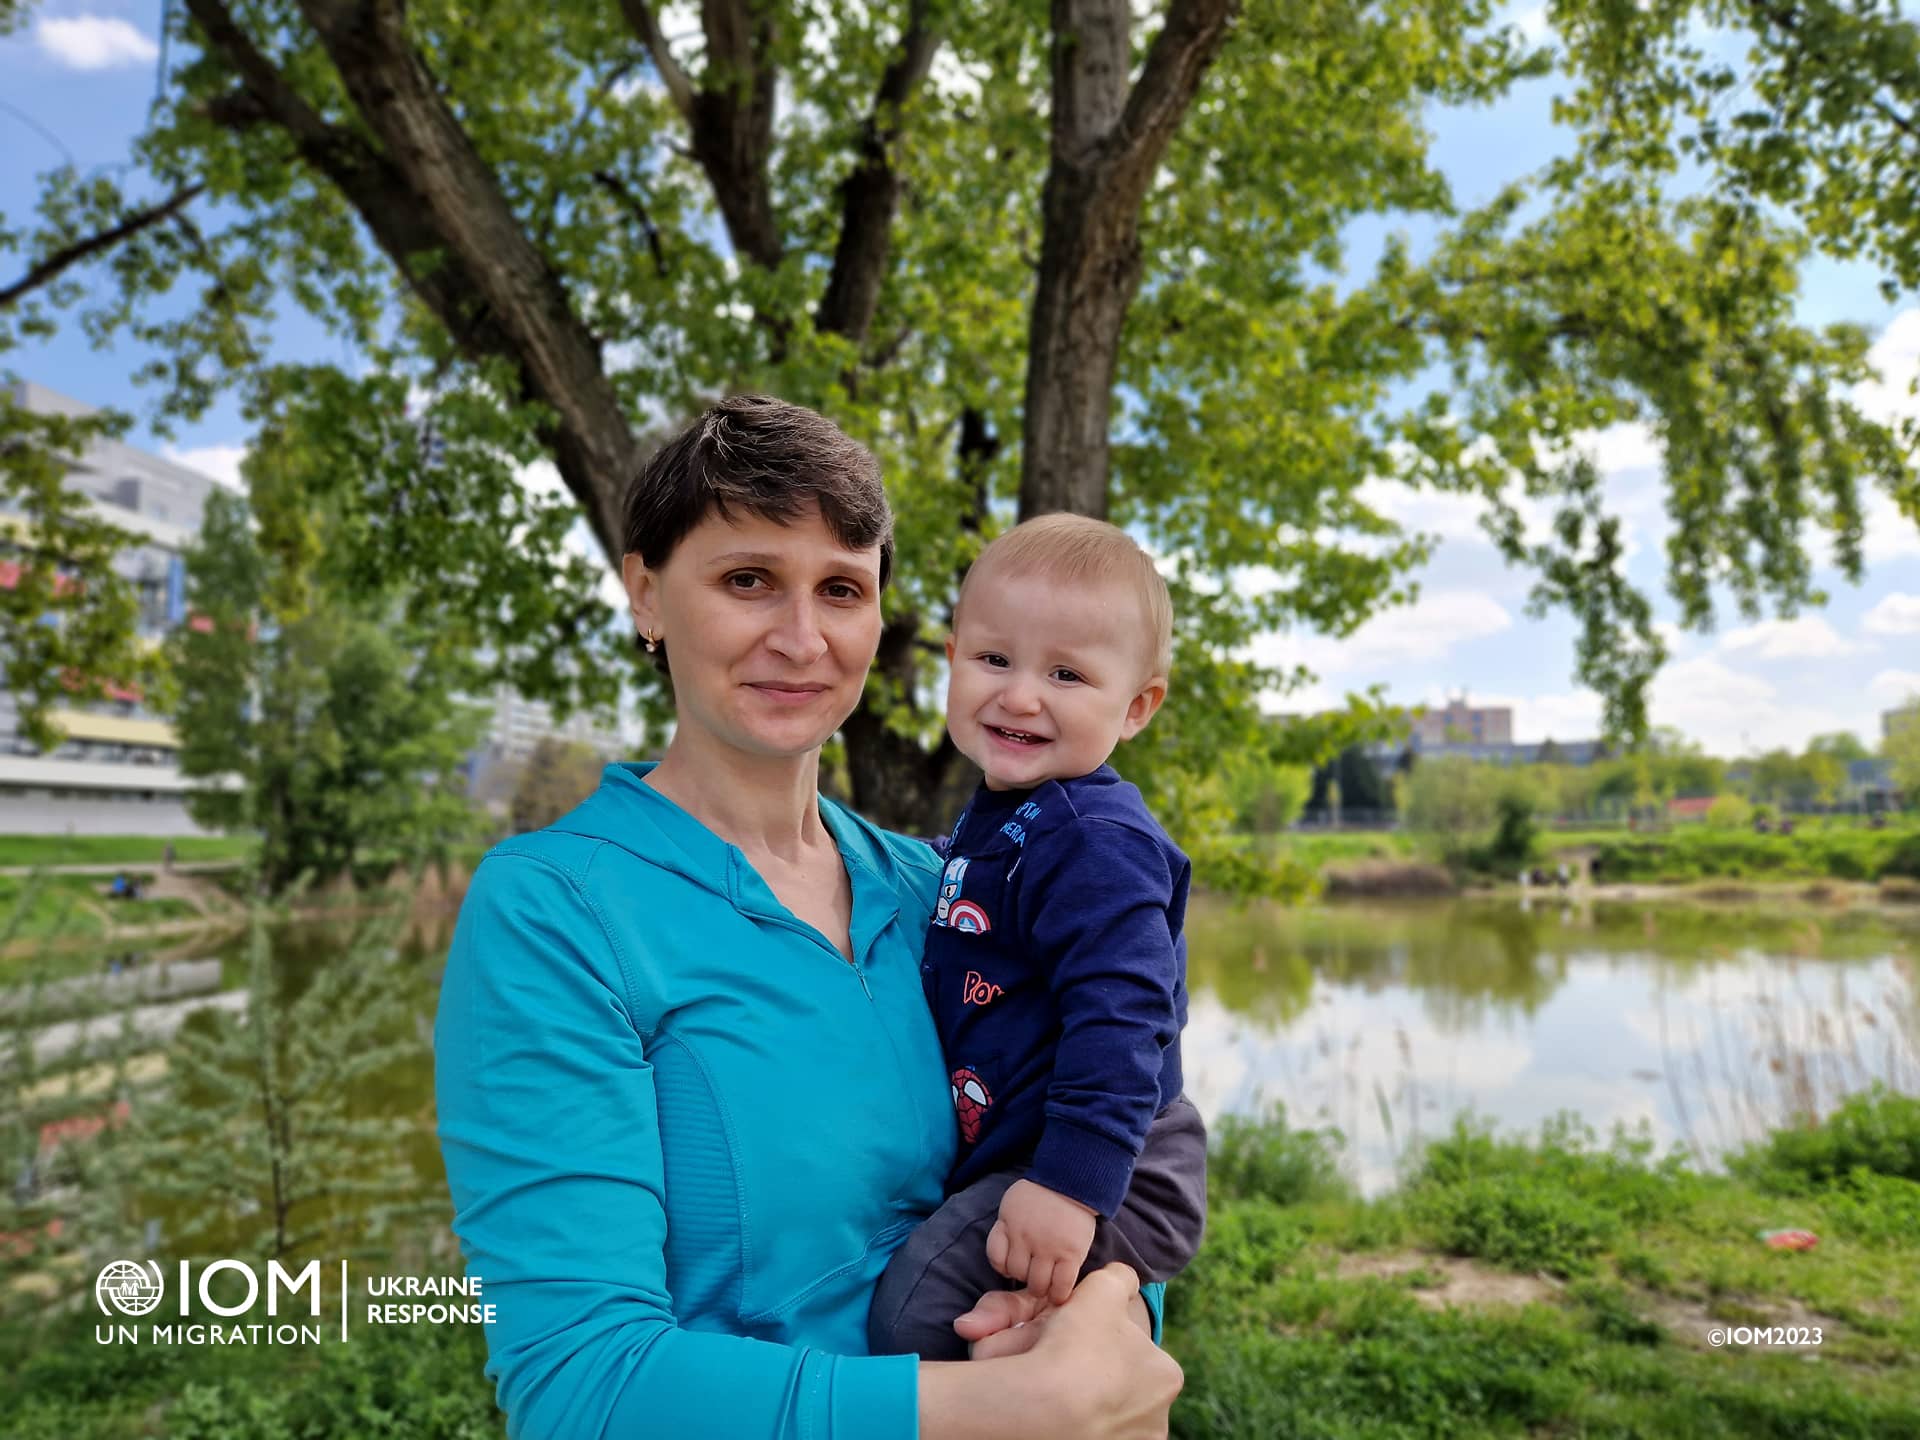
1056,971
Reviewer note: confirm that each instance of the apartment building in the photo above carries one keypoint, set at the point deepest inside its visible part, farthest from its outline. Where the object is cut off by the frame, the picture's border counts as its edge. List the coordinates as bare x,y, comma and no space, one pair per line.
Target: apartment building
117,772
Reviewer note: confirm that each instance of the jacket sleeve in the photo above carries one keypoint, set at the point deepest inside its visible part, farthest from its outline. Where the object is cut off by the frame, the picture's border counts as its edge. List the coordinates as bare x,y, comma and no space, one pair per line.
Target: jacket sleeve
1095,903
549,1130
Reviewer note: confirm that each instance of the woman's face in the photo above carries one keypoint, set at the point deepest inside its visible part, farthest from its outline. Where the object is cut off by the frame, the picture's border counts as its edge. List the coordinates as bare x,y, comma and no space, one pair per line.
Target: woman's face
770,628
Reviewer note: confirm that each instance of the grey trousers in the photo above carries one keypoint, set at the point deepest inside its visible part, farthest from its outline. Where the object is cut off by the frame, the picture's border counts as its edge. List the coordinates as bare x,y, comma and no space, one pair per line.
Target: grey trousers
942,1270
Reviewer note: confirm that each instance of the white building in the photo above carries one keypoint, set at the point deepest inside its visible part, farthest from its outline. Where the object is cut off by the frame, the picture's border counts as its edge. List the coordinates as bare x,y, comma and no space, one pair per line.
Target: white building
117,771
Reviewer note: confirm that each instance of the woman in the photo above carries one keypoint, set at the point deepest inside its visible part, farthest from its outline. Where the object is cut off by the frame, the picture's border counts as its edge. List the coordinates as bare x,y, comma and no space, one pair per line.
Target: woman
690,1098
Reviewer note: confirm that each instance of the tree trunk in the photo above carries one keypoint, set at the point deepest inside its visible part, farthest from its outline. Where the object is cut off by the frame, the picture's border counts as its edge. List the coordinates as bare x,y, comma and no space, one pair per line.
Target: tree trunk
1107,142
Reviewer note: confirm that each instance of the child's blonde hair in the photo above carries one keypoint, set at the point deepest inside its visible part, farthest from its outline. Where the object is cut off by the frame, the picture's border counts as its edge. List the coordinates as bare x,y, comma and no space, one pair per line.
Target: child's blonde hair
1075,549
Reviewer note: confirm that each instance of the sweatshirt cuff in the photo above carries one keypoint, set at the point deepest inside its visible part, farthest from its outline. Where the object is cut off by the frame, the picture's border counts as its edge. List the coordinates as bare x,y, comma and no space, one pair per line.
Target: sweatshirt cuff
871,1397
1083,1166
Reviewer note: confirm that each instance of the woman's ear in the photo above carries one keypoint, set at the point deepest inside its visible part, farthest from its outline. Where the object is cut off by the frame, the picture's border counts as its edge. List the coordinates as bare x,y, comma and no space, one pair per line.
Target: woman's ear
641,585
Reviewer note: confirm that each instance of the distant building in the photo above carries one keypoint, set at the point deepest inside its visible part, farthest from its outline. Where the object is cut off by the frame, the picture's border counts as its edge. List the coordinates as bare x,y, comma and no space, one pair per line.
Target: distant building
117,772
516,725
1458,723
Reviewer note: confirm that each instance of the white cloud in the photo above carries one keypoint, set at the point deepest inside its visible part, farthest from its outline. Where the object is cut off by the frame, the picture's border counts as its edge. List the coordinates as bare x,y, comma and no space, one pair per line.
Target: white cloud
1887,534
1425,630
1896,614
1893,687
541,479
217,462
1896,355
95,42
1533,23
1556,715
1626,446
1734,714
1807,637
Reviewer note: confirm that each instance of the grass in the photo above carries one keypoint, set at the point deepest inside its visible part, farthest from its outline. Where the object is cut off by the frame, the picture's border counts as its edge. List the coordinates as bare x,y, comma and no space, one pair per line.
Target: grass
119,849
77,907
1280,1337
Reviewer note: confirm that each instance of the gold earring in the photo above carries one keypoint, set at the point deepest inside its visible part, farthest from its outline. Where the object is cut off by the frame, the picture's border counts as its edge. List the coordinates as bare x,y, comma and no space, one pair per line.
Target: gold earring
646,637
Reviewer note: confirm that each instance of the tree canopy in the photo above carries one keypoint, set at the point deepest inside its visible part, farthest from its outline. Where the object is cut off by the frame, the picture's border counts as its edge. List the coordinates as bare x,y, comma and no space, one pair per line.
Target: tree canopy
1038,257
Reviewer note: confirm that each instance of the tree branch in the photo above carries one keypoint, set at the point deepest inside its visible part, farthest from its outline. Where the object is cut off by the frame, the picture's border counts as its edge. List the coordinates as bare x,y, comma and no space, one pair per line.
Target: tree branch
641,19
1182,51
870,195
456,206
729,114
65,258
634,207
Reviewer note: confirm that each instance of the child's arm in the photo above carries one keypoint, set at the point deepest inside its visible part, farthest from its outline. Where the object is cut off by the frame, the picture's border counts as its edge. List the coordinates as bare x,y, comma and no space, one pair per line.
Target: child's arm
1095,906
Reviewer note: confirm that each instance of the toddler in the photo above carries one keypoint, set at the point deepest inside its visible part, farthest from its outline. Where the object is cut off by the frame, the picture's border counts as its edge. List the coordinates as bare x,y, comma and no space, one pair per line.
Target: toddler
1055,965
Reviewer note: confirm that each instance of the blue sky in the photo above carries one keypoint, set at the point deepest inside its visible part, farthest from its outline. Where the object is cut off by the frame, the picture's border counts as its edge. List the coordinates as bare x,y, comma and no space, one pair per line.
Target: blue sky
84,71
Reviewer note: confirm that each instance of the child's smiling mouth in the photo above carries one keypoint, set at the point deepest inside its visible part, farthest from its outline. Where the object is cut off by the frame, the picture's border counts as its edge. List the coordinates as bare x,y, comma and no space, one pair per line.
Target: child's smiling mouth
1017,737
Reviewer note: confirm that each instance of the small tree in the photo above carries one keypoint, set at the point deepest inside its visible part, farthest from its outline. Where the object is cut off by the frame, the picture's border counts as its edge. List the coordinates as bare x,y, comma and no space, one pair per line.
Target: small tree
1451,799
557,776
1902,750
1515,828
274,1138
1729,812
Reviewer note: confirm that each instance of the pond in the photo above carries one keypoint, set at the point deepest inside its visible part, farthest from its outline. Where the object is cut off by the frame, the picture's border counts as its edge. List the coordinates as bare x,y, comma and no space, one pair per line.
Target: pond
1708,1026
1705,1025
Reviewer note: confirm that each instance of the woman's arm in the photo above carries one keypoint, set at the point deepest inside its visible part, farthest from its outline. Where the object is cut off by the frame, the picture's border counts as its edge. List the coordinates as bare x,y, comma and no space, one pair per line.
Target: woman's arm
548,1126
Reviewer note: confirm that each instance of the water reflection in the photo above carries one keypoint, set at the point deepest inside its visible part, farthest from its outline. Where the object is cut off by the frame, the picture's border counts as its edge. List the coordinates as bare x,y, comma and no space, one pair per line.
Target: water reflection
1708,1026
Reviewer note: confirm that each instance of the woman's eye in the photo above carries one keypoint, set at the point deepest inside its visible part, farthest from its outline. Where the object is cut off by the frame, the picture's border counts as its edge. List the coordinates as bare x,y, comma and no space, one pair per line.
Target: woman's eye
840,590
744,580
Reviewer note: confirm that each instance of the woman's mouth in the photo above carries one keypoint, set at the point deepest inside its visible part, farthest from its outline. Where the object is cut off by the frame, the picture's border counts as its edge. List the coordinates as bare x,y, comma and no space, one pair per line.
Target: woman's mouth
788,694
1021,739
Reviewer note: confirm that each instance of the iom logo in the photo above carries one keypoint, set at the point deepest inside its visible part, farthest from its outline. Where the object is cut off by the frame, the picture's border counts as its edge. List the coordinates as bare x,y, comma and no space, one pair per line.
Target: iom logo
125,1287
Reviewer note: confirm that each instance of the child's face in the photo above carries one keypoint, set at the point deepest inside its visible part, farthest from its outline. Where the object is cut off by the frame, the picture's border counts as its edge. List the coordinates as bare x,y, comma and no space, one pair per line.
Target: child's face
1047,678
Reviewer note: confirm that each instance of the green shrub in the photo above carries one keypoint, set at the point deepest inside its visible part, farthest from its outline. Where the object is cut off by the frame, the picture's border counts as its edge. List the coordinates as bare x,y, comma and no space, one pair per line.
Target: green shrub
1611,1315
1903,857
1877,1131
1517,1225
1249,1158
1730,812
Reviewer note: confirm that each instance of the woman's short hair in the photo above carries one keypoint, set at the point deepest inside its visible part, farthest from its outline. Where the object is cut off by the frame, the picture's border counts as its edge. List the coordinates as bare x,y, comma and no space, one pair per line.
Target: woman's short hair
765,457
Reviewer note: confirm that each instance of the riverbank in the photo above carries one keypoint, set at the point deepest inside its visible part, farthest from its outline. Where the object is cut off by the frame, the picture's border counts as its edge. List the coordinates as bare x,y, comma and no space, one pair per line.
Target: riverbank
1509,1288
1558,1286
1821,861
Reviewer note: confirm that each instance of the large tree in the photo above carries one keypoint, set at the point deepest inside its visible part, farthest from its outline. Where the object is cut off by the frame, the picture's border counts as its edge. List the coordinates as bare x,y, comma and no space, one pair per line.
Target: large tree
1040,258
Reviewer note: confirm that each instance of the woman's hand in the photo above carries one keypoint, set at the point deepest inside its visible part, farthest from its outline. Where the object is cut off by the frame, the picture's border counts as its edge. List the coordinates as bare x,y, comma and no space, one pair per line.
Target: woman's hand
1090,1370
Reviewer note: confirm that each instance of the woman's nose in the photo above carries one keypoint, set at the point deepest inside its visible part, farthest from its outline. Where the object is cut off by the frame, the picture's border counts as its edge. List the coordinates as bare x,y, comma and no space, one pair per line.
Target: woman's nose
798,636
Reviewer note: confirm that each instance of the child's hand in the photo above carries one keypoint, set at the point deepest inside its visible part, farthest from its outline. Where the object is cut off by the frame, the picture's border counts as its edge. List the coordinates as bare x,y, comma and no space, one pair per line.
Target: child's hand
1041,1238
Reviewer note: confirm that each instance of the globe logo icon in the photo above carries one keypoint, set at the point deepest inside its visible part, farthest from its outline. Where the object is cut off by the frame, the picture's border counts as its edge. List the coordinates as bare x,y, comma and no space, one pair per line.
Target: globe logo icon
124,1286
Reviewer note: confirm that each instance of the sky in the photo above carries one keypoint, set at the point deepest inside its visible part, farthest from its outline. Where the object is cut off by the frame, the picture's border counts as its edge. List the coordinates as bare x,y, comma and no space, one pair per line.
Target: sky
76,82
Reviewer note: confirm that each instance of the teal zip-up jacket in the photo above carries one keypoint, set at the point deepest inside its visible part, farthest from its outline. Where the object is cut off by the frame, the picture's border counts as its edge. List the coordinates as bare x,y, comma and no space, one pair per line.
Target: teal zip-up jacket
682,1133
